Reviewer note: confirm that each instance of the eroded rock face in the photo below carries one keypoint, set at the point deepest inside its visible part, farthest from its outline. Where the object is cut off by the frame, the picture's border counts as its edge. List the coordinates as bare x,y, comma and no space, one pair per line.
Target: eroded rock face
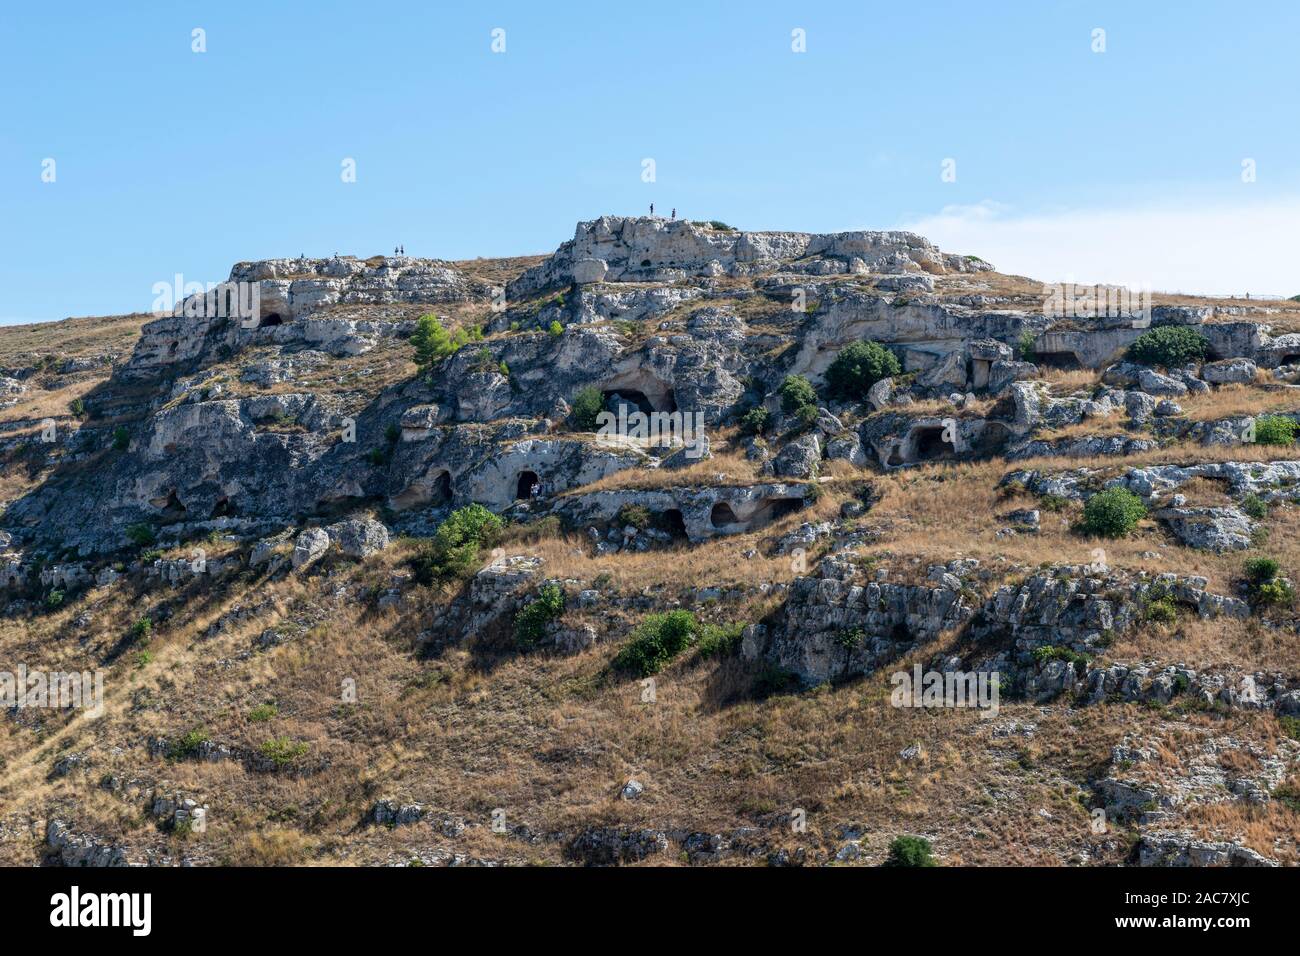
643,249
832,628
1209,529
1182,849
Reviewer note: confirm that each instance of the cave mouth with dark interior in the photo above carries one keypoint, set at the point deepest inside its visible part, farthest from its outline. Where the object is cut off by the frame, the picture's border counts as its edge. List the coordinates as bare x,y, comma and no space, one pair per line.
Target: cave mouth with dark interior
222,509
928,444
722,515
271,318
524,487
440,493
641,400
674,522
1065,361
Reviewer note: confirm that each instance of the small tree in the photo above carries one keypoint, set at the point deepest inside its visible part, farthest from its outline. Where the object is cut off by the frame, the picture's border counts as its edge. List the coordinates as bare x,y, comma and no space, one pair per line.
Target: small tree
587,405
858,367
1113,513
456,544
755,421
431,341
796,392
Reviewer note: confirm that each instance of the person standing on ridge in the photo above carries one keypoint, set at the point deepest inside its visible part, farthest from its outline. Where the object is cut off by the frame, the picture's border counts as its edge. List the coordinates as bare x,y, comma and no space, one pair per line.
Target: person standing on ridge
652,210
674,217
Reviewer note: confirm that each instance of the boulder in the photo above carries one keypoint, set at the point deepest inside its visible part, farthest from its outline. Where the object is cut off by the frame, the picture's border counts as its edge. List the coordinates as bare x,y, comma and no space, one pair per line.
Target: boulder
309,546
1236,370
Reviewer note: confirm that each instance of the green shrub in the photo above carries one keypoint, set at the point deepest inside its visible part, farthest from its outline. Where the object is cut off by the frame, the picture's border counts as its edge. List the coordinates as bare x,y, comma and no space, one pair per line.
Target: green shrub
188,745
587,405
1169,346
1160,610
755,421
910,851
141,534
54,598
797,392
1254,506
1261,570
282,751
1264,586
718,640
805,417
850,638
1290,726
454,550
859,366
721,226
143,627
1274,430
121,439
262,713
1113,513
556,329
1025,346
1274,593
638,516
77,406
531,621
658,639
1052,652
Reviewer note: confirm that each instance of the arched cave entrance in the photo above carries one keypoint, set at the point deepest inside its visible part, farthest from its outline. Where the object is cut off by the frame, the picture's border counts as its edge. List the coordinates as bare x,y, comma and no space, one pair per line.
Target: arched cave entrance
526,485
928,444
271,318
722,515
675,523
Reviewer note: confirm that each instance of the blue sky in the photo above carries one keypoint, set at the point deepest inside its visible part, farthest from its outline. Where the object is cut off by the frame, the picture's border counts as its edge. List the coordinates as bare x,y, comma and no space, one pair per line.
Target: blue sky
1120,166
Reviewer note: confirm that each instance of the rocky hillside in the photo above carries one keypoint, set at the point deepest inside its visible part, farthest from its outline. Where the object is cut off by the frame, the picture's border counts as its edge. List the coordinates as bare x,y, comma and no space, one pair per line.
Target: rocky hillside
385,573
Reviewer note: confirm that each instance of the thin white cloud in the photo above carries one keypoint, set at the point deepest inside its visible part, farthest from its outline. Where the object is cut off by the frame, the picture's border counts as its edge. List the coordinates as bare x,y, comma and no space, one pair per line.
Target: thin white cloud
1201,248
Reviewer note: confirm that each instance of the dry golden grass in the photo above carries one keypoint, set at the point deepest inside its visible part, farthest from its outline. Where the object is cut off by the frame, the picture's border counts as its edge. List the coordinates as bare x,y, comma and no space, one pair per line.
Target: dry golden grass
38,404
22,345
1227,401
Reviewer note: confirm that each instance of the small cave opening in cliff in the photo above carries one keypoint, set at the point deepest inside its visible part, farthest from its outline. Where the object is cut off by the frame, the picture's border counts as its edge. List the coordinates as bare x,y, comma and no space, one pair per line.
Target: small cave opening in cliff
440,492
674,522
170,505
722,515
644,404
1290,359
526,485
223,509
895,456
434,494
1065,361
271,318
928,445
